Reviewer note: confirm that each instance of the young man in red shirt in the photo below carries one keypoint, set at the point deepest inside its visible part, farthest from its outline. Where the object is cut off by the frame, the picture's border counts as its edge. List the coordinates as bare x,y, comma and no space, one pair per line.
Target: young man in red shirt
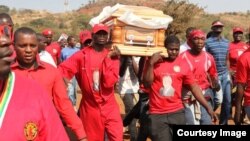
236,48
53,48
243,86
97,69
28,64
26,112
165,77
202,65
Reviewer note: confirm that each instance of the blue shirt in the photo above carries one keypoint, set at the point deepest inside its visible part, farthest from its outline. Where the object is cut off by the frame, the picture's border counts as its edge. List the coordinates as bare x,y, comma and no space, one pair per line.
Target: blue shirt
67,52
218,47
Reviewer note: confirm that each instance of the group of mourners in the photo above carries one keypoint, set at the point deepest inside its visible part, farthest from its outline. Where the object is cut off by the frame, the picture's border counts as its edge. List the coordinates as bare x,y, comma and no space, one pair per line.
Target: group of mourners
38,79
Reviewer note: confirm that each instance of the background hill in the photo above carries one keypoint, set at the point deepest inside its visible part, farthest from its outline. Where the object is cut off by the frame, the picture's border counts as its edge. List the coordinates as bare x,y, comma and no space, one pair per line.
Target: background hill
184,14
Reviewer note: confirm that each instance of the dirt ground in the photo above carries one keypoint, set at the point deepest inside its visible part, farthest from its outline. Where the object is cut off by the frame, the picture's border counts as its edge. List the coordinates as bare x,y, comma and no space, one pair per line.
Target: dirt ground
121,105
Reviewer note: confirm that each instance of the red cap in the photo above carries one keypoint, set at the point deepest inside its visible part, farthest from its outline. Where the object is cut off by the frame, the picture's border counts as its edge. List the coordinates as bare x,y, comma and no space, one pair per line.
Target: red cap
85,35
197,33
47,32
99,27
237,29
217,23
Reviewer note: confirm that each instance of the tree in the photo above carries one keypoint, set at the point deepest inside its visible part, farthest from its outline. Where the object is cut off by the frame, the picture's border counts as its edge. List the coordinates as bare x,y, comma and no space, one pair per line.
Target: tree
4,9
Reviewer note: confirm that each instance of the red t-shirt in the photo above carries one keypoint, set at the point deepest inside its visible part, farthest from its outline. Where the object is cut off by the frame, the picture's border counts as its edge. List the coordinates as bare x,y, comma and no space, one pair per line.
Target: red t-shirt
243,74
31,107
169,75
50,79
201,65
55,50
234,51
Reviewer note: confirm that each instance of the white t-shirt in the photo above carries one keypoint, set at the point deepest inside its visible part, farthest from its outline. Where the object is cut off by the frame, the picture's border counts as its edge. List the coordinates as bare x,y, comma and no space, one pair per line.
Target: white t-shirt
46,57
128,84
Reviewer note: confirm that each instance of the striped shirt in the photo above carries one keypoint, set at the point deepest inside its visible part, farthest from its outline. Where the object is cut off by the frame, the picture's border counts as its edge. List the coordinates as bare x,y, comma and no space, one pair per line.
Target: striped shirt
218,47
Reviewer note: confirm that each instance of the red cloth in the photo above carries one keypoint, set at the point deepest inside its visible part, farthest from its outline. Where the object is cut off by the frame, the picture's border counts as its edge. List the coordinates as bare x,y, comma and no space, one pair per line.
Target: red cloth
201,65
234,52
243,74
85,35
180,74
50,78
30,103
55,50
98,109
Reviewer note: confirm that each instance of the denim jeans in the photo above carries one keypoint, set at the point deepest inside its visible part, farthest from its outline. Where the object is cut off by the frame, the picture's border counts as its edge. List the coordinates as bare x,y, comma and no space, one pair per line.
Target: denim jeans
205,117
128,100
225,92
247,110
72,91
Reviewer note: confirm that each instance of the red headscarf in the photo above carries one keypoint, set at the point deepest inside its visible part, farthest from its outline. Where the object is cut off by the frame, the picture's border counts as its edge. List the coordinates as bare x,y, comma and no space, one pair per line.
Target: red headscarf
196,33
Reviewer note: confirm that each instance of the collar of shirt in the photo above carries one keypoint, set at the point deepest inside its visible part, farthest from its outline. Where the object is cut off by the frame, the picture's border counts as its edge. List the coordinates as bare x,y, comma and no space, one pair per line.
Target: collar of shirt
37,65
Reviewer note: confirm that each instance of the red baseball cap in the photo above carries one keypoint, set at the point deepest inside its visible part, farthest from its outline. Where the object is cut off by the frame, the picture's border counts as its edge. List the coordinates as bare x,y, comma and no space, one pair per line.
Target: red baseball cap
99,27
47,32
85,35
237,29
217,23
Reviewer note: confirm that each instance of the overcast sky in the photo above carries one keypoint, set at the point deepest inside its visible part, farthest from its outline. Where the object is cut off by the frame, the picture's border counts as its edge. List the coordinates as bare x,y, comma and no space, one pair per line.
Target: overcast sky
211,6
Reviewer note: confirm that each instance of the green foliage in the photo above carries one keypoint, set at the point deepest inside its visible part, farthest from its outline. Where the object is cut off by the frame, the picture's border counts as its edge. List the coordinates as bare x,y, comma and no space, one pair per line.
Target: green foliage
4,9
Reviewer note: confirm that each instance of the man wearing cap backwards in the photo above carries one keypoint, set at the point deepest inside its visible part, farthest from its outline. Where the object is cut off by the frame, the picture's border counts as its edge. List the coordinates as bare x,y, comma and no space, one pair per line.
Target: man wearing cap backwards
202,65
97,69
29,65
26,112
218,47
52,47
85,38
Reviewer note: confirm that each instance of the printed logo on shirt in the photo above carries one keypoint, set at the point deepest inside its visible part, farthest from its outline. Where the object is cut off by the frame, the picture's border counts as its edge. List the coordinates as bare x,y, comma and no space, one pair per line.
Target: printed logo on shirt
177,68
167,90
245,47
30,131
54,51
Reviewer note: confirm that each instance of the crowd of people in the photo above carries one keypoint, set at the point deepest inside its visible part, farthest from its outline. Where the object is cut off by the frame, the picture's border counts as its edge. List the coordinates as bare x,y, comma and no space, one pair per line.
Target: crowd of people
39,78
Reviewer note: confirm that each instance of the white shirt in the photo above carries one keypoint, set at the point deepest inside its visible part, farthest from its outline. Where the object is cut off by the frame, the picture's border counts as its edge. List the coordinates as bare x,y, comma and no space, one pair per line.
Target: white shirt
129,84
46,57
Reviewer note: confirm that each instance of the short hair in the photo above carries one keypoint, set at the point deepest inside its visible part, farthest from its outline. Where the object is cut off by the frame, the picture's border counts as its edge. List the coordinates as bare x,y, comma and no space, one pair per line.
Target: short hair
171,39
189,30
23,30
70,37
5,16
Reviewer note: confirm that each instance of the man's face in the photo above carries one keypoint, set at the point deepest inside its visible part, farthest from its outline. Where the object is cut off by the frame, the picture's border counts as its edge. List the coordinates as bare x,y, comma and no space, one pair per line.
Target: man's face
48,38
42,43
198,43
72,42
6,27
5,56
217,29
173,50
238,36
26,47
100,37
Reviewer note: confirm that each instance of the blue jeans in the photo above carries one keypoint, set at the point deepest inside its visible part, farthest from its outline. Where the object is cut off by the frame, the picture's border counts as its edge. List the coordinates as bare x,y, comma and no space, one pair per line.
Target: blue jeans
247,110
72,91
225,92
205,117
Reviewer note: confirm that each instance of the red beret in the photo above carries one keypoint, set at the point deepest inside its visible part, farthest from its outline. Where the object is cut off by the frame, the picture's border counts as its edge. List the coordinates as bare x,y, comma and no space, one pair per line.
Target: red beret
237,29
